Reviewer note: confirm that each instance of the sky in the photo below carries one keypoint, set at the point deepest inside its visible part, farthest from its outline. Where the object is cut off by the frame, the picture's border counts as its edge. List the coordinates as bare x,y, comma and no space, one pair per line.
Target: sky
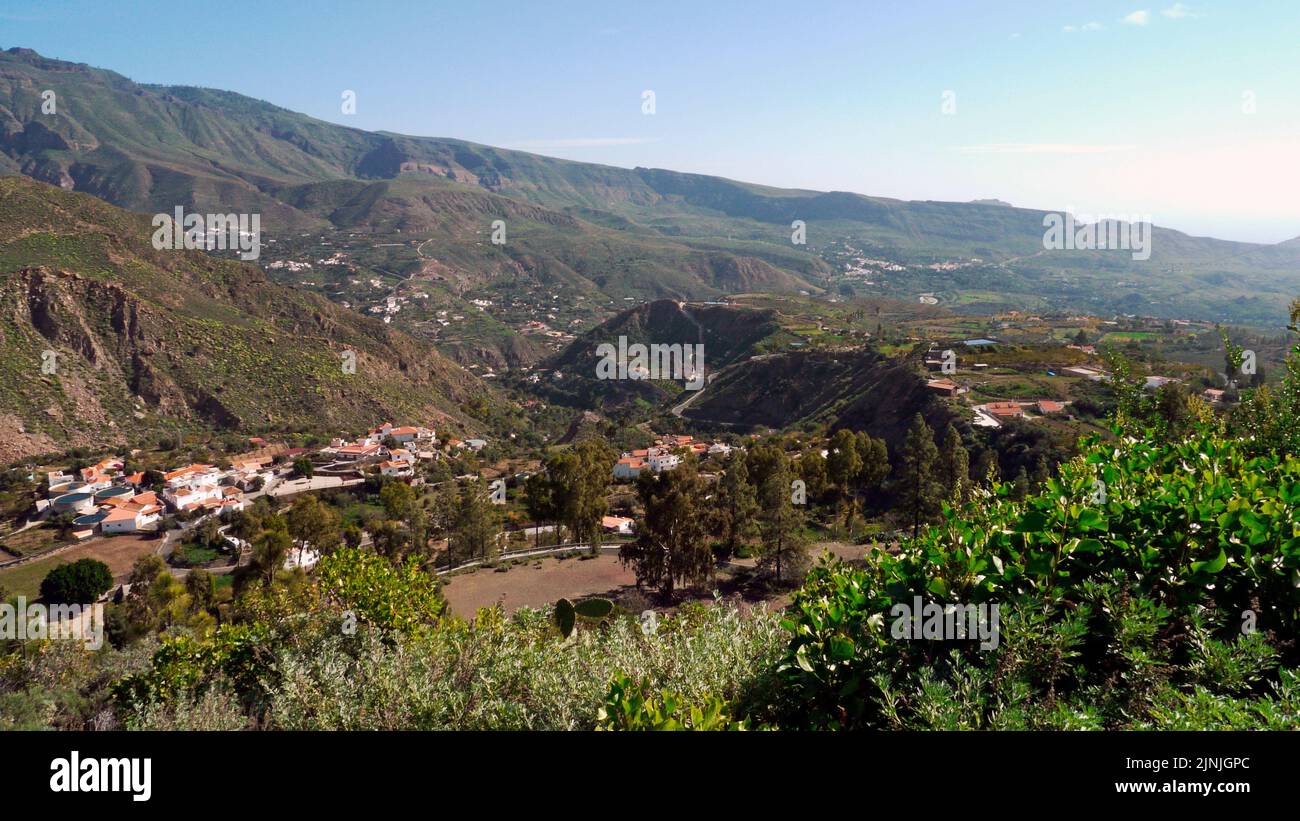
1187,114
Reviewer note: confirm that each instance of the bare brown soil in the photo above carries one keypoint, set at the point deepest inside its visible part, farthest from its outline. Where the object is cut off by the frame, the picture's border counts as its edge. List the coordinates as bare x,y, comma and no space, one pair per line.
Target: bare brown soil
543,581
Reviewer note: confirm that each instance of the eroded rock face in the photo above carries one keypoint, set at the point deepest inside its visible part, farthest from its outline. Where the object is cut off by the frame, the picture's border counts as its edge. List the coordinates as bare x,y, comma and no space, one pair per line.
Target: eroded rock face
142,341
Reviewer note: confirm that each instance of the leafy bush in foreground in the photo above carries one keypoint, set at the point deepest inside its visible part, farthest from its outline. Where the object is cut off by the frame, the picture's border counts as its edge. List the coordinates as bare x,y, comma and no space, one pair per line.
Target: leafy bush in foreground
1173,586
632,705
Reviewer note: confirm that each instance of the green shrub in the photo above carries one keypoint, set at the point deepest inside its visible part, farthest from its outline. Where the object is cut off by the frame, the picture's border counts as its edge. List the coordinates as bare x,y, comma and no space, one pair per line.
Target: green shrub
513,673
1177,582
633,705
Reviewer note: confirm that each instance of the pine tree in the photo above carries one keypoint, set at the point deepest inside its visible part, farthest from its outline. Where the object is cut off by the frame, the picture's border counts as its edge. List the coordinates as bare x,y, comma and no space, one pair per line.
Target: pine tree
671,546
475,530
917,484
780,523
954,462
270,549
735,505
843,463
843,467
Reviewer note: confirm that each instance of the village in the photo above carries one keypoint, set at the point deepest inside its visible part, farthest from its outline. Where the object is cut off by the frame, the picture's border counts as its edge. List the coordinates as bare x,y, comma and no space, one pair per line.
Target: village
105,500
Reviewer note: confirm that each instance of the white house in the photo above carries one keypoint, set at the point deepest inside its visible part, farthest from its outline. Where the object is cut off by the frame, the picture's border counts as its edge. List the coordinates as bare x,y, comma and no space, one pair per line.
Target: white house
404,434
1157,382
362,450
617,524
129,518
629,467
661,461
192,476
58,481
397,470
182,498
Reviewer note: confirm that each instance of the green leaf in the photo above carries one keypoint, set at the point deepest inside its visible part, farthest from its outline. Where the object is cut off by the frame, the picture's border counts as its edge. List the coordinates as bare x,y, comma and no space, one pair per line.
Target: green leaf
1090,519
1031,522
841,648
1213,566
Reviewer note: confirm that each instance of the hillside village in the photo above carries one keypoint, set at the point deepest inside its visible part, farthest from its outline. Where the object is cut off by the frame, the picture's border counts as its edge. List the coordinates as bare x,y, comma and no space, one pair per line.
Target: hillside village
105,500
664,455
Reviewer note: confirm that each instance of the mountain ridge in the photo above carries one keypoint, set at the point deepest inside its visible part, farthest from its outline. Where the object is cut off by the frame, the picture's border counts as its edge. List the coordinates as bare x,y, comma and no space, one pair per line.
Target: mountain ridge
150,148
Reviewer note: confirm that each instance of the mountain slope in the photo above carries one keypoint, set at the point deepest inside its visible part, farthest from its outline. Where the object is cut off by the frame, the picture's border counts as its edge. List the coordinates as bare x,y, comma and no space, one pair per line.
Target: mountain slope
728,335
147,340
860,389
155,147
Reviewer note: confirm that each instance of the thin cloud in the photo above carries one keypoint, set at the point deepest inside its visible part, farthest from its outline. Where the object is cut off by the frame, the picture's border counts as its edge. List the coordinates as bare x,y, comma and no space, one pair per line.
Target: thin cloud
1178,11
1041,148
1089,26
1138,18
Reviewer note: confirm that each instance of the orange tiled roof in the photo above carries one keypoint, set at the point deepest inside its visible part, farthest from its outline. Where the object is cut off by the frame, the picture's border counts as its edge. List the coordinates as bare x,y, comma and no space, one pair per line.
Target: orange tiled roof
185,471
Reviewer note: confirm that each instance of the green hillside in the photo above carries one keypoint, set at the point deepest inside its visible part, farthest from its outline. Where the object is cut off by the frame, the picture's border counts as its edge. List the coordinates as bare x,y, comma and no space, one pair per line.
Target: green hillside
149,340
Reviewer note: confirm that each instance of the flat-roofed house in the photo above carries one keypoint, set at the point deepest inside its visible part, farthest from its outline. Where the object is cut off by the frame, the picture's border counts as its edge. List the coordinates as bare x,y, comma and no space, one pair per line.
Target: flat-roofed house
660,462
1157,382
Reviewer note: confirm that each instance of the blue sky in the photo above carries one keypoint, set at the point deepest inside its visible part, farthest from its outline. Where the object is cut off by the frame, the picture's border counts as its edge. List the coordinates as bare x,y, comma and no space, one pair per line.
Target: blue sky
1105,107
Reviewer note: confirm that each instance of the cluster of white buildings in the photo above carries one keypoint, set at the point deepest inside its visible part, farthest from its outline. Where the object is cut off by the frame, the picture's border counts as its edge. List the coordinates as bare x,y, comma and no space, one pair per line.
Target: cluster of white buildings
398,462
665,454
105,499
203,487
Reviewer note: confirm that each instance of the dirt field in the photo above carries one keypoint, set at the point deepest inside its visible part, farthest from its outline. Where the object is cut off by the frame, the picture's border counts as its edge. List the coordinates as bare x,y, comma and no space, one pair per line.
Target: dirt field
537,584
543,581
118,552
